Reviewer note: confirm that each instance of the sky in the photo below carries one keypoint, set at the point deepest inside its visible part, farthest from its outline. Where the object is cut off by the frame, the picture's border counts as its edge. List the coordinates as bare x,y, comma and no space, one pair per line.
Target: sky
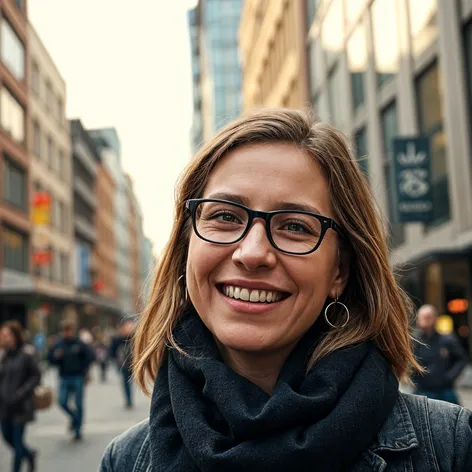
127,64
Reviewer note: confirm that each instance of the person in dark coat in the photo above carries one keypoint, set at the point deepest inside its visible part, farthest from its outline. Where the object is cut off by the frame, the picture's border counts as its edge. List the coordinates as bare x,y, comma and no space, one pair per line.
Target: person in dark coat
19,376
442,357
73,359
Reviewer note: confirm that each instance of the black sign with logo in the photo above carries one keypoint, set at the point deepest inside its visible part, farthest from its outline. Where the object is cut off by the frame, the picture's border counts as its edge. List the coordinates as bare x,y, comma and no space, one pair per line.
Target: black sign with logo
412,179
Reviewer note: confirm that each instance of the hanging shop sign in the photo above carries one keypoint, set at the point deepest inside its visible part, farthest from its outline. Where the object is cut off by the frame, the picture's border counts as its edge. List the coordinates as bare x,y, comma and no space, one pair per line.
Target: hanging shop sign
412,173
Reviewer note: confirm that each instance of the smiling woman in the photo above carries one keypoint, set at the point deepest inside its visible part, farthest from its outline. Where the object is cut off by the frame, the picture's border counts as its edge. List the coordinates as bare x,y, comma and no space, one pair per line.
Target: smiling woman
276,324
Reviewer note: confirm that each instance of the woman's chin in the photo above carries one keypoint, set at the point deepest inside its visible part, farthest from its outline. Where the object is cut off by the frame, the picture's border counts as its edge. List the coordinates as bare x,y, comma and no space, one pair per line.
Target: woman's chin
247,339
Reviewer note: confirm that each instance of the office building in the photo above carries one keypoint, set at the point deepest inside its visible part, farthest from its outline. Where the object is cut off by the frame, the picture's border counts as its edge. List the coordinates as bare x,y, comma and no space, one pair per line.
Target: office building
213,26
273,49
107,143
15,267
52,236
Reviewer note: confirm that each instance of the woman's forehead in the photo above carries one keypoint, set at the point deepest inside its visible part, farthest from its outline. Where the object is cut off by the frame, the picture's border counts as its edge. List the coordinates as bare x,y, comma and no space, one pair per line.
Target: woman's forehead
270,174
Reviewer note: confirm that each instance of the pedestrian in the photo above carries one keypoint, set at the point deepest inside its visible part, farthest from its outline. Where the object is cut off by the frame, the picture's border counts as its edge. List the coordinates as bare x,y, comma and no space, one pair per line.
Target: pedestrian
101,355
276,334
121,353
19,376
73,359
441,356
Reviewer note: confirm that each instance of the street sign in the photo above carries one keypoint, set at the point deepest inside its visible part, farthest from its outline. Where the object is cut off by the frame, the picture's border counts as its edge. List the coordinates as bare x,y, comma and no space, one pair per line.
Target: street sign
412,179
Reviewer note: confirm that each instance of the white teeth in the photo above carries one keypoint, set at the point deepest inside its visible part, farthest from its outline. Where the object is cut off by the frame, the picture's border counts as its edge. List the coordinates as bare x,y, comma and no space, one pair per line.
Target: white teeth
254,296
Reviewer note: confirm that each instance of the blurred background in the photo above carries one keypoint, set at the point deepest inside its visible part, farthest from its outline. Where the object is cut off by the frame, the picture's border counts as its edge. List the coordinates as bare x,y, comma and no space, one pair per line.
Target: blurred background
102,103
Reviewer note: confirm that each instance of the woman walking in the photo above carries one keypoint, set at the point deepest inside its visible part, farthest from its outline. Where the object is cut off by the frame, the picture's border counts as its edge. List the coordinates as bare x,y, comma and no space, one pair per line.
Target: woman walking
19,375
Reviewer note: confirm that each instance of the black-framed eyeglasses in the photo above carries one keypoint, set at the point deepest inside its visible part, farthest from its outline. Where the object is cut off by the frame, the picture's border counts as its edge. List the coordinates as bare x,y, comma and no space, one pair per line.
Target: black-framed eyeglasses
289,231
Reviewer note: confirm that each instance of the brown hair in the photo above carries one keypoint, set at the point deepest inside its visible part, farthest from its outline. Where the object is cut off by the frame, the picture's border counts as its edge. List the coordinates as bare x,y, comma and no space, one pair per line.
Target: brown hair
379,308
17,331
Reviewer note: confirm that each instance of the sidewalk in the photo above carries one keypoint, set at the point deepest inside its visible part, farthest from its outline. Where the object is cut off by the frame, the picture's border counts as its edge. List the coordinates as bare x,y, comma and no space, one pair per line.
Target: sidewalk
105,418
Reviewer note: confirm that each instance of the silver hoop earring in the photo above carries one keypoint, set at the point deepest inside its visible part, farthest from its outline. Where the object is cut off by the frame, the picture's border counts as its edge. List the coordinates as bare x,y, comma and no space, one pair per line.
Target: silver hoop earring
185,286
326,314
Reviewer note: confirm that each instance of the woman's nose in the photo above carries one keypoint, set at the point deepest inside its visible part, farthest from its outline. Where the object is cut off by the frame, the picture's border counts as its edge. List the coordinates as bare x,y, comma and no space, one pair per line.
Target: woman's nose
255,251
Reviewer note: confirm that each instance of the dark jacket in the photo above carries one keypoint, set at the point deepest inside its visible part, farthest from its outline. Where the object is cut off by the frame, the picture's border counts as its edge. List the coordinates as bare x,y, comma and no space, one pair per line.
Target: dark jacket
19,376
121,352
443,358
420,435
72,356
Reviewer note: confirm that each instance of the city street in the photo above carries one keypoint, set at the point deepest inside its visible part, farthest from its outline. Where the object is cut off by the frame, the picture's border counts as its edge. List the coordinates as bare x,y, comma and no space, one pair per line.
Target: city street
105,419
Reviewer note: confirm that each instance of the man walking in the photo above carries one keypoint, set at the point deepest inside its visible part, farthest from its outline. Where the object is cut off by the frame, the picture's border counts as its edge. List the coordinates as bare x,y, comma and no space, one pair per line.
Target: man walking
121,353
442,357
73,359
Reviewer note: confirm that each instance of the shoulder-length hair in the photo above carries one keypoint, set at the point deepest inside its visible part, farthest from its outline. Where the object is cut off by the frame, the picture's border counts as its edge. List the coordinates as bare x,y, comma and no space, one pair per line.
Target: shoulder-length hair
379,308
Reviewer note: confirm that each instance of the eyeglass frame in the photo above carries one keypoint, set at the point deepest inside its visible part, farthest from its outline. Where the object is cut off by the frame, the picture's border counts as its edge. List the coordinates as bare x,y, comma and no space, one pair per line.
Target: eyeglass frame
192,204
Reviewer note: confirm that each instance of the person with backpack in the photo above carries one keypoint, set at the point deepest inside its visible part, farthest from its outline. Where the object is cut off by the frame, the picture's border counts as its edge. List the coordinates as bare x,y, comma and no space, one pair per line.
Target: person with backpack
121,353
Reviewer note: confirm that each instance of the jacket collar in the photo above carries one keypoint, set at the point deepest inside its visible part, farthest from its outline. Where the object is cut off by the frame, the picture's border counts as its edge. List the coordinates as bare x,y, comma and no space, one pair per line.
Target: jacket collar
397,433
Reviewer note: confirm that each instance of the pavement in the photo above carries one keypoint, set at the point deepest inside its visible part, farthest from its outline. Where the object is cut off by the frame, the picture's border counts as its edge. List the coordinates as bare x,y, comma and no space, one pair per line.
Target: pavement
105,418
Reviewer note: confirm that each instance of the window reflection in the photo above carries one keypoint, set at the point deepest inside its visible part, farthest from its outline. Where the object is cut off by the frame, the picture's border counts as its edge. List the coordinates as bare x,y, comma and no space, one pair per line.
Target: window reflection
429,95
424,24
317,65
384,20
332,33
357,63
13,51
12,116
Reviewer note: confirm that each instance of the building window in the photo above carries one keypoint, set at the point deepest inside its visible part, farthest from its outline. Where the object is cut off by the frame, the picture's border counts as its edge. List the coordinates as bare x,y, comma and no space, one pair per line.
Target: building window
36,139
424,24
354,9
62,223
336,99
48,99
60,110
317,65
430,114
360,139
357,63
384,20
13,51
332,32
14,184
12,116
15,250
51,158
63,268
35,80
389,123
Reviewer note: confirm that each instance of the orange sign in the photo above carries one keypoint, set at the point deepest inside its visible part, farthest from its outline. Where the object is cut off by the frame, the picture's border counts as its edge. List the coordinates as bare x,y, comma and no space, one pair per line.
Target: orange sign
458,305
42,257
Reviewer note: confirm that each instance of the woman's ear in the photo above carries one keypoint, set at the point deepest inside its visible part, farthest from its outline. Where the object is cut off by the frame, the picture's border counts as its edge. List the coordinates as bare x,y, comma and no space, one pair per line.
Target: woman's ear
342,274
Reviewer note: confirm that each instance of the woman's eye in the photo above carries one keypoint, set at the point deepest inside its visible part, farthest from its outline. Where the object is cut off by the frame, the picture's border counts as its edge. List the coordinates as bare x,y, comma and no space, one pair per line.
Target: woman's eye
226,218
297,228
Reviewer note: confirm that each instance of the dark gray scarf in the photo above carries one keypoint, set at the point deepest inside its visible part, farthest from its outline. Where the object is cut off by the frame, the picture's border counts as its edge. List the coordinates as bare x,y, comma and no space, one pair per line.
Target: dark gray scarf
205,417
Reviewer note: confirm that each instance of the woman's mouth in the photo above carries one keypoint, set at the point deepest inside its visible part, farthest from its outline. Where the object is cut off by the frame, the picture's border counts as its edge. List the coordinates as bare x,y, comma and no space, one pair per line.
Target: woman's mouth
252,295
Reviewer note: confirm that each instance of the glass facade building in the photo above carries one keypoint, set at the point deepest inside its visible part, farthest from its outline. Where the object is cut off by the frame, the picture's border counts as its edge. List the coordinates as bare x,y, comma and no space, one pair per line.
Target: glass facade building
213,27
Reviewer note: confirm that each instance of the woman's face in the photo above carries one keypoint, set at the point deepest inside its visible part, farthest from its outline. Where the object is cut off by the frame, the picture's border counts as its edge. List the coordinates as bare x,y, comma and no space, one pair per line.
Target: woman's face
7,338
264,177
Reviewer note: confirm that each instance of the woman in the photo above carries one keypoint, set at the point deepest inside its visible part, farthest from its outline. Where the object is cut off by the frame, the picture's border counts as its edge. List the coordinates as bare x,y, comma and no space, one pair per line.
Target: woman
19,376
276,334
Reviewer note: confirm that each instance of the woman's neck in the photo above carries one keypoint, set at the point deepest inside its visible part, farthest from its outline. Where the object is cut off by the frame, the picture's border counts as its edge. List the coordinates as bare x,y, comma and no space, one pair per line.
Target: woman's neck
262,369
